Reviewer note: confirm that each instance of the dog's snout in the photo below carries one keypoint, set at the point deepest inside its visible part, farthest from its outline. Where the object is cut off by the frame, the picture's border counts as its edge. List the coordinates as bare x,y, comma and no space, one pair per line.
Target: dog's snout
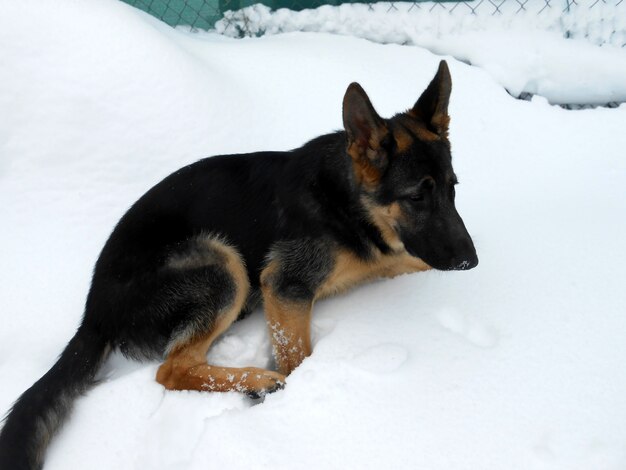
465,256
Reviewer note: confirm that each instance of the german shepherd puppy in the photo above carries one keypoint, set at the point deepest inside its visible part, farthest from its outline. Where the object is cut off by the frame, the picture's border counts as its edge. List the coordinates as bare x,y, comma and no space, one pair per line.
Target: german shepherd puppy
209,242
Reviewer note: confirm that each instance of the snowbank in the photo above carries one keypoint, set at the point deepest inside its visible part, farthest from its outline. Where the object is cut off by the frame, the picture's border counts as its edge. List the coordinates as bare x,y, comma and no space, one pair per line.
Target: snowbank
518,364
522,45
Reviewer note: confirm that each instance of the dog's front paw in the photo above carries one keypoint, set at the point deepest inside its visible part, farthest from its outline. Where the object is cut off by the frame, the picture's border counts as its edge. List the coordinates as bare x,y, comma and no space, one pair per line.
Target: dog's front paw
262,382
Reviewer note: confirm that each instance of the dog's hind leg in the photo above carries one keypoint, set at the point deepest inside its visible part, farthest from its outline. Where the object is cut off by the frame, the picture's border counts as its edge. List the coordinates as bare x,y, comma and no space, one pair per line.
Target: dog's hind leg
186,367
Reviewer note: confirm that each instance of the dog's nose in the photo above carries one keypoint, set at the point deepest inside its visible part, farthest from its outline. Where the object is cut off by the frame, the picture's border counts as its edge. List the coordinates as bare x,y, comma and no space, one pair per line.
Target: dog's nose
463,263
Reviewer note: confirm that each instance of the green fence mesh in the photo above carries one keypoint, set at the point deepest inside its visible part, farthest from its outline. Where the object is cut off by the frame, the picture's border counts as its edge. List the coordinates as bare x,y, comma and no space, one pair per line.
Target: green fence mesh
597,21
202,14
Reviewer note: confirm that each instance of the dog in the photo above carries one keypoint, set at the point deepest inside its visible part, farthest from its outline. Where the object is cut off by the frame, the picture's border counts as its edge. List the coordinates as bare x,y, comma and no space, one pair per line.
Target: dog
213,240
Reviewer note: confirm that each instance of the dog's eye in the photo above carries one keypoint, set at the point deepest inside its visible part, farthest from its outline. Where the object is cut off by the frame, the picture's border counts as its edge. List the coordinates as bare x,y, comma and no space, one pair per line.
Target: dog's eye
417,197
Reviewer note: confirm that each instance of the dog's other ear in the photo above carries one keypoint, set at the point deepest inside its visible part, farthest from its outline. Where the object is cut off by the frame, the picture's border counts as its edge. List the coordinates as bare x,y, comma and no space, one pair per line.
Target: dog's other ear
366,135
432,106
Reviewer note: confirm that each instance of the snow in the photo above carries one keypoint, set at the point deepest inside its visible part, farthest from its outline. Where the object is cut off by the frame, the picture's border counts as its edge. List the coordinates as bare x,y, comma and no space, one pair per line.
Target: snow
518,364
521,44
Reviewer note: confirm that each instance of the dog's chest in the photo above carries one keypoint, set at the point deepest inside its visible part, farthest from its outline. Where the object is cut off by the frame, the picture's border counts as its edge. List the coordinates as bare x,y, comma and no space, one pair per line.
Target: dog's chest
349,270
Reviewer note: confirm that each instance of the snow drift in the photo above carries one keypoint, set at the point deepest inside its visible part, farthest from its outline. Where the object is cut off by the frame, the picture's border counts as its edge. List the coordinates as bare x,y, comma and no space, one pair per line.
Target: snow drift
518,364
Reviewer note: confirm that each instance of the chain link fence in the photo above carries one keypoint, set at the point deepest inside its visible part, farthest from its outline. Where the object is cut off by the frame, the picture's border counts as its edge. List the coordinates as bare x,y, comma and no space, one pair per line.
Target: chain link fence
600,21
203,14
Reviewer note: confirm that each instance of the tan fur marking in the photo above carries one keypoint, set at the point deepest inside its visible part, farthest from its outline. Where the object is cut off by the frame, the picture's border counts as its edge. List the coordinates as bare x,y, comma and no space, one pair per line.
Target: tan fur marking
364,171
185,375
386,218
363,155
403,139
442,123
427,136
219,252
186,367
350,270
419,129
289,324
237,268
290,331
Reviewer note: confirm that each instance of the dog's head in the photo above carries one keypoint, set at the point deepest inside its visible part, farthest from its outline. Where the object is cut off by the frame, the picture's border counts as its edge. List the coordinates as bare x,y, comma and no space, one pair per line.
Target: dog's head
404,168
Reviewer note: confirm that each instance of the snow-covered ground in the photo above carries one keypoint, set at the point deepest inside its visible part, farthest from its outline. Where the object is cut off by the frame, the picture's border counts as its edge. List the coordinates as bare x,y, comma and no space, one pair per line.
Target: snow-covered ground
520,43
518,364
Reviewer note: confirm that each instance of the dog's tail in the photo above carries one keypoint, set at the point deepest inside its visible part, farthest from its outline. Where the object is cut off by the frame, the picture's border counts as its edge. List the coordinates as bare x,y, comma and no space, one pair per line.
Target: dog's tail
41,409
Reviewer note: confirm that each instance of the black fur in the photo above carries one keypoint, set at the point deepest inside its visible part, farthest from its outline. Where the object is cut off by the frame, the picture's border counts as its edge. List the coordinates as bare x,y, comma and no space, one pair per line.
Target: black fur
158,278
304,265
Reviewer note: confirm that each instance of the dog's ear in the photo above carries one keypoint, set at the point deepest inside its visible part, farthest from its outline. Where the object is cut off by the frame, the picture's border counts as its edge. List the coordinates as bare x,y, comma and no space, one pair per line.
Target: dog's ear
366,135
432,106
